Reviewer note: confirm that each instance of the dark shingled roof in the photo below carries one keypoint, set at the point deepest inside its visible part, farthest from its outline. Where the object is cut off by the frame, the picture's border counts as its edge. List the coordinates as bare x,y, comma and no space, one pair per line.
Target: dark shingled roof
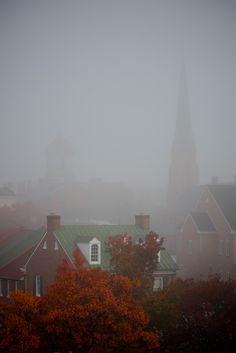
203,222
225,196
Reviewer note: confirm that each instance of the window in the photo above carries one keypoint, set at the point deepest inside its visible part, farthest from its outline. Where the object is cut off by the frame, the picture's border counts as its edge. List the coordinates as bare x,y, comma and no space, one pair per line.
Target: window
200,243
220,247
45,245
1,293
94,252
8,288
95,247
159,257
190,246
56,247
226,247
38,285
158,283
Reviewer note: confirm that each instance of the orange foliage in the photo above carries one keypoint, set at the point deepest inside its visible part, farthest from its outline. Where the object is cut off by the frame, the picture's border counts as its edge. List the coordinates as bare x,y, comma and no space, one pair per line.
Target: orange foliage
18,331
85,310
90,310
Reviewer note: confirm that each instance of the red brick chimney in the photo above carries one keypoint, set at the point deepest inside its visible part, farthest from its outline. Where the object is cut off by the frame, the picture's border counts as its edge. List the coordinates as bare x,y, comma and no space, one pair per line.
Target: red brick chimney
143,221
53,222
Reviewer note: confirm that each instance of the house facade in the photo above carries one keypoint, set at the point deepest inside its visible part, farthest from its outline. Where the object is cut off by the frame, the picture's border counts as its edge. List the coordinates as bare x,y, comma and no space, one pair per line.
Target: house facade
207,240
30,261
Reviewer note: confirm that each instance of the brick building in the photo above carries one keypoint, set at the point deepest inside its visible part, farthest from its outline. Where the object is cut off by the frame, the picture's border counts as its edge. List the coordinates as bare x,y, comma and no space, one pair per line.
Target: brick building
207,240
30,259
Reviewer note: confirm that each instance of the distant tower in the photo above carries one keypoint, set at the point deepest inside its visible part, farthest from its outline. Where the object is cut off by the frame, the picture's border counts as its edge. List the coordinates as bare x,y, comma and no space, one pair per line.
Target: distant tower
183,170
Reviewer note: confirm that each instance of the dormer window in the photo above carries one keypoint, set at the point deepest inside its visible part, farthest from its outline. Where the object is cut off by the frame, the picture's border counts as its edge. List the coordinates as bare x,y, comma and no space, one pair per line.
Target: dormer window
94,253
90,248
95,249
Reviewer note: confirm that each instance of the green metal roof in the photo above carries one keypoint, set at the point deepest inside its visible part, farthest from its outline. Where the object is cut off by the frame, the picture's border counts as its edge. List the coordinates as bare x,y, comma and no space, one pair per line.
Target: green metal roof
69,235
19,245
166,262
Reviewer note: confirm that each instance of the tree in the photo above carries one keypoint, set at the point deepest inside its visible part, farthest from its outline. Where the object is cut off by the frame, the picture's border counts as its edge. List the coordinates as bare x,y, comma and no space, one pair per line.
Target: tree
135,260
85,310
89,310
194,316
19,324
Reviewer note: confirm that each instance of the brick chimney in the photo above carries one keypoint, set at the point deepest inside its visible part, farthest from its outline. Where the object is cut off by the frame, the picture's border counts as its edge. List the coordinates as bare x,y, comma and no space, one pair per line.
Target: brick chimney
143,221
53,222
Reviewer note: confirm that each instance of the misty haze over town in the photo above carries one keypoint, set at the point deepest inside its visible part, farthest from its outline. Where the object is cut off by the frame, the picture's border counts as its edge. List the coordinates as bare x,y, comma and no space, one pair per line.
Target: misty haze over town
104,75
118,176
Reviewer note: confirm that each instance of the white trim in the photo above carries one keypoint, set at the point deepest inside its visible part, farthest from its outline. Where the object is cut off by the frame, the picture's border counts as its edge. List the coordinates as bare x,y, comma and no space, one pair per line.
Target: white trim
68,256
185,221
36,248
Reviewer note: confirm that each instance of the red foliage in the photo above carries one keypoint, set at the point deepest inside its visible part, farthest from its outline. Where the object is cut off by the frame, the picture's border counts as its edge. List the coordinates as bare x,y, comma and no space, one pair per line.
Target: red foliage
90,310
19,324
135,260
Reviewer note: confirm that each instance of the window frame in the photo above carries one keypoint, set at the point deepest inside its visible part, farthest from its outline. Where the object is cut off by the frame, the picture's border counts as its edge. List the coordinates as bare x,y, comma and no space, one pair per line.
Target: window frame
38,285
95,243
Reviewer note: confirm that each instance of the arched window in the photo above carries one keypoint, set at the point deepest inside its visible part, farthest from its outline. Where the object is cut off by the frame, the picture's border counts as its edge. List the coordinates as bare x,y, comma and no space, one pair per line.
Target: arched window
94,253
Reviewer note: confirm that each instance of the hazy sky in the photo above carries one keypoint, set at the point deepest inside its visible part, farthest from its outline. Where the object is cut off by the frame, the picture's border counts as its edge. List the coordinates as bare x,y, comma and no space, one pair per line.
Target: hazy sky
105,75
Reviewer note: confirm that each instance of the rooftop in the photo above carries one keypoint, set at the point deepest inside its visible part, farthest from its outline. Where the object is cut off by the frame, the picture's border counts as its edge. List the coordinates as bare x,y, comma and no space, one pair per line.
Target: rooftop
225,196
203,222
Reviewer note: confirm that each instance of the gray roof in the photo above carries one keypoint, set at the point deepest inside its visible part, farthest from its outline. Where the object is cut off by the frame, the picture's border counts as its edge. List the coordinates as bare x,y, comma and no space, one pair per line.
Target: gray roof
225,196
203,222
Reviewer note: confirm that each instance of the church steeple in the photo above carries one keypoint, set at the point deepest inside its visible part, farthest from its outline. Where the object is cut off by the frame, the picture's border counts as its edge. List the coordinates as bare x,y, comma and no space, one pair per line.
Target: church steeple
183,171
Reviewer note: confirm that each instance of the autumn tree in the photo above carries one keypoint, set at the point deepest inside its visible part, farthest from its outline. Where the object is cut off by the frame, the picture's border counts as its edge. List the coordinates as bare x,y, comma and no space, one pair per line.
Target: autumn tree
136,260
19,330
89,310
194,316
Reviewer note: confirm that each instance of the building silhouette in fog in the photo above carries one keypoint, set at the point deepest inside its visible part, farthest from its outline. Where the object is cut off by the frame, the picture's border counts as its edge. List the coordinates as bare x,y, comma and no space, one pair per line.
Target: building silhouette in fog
183,170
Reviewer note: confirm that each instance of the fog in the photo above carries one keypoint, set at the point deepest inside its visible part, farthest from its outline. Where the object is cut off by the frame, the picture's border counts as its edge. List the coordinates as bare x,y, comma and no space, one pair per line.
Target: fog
104,75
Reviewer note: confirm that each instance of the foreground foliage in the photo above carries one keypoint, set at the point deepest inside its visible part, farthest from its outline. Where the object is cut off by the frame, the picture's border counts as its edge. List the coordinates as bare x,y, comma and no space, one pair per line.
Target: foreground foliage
85,310
194,316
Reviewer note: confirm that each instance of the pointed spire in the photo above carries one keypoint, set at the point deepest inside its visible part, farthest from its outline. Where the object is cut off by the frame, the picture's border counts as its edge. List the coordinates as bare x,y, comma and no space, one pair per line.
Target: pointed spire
183,138
183,171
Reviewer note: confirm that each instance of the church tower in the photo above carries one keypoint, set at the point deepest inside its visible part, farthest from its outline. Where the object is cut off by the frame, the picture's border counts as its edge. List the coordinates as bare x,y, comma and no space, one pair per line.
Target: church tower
183,170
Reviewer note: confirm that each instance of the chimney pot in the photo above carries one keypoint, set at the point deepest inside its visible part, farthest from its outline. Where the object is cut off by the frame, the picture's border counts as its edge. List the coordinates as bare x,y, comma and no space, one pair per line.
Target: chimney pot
143,221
